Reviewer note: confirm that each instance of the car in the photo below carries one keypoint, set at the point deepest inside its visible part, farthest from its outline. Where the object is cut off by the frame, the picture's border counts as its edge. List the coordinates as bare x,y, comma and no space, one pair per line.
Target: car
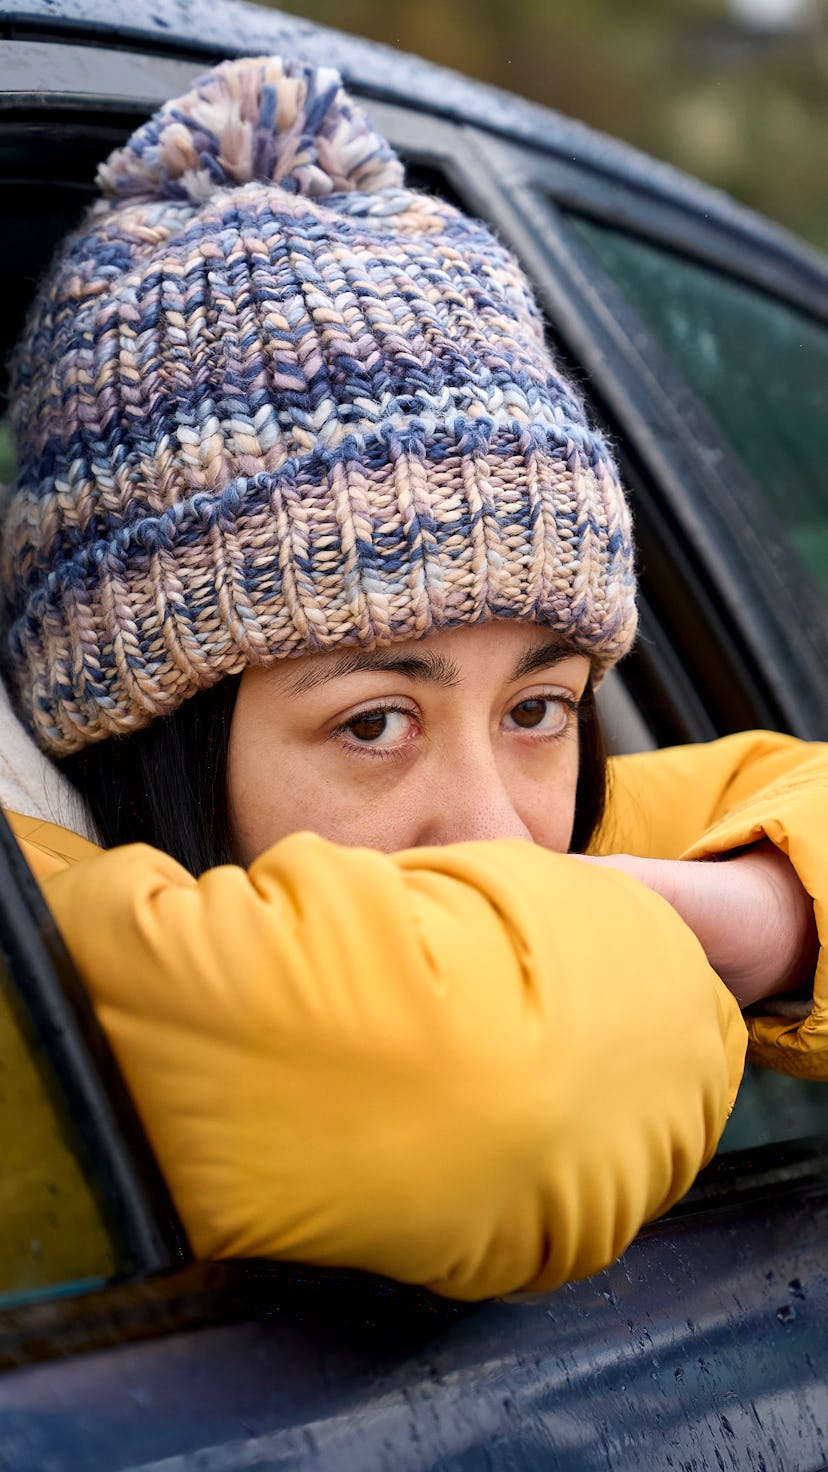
699,334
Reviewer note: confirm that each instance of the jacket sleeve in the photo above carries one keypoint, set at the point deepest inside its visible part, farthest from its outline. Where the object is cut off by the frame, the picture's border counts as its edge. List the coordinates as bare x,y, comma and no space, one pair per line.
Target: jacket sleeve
699,802
478,1068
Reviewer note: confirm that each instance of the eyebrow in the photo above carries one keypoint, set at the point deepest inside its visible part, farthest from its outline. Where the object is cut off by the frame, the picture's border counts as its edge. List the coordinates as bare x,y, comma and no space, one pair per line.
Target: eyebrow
543,657
432,668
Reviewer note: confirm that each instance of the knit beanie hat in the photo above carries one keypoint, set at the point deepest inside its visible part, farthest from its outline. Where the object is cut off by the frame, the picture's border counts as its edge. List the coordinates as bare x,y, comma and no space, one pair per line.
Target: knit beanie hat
269,401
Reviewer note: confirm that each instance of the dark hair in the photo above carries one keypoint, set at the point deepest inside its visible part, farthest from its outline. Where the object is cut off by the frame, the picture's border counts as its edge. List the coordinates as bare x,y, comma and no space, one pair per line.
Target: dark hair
167,784
592,790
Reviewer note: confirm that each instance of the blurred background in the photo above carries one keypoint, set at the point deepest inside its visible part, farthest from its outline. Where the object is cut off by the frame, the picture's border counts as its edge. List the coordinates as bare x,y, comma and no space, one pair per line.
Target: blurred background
735,91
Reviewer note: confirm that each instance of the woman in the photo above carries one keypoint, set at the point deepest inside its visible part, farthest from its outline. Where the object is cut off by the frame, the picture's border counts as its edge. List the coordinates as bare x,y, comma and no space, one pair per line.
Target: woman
311,569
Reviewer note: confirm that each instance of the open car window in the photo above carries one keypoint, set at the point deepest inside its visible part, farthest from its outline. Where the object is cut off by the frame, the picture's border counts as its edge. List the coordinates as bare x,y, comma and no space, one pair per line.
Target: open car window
770,1108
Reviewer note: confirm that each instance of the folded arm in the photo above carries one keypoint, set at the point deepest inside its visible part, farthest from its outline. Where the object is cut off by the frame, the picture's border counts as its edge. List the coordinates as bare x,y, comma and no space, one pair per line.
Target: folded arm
752,914
478,1068
760,801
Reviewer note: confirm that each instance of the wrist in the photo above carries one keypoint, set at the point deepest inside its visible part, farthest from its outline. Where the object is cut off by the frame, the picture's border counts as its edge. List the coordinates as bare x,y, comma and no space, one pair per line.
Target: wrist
798,939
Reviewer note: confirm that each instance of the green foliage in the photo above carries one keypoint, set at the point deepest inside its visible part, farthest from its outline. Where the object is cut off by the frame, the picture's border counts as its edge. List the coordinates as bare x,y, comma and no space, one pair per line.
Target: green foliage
685,80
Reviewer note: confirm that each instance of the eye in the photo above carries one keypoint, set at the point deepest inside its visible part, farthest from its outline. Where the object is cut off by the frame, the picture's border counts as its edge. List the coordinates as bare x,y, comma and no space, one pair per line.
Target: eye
547,715
378,728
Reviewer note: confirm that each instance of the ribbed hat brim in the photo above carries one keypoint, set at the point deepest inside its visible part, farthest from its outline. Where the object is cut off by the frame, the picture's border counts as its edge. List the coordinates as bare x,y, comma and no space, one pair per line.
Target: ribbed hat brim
367,544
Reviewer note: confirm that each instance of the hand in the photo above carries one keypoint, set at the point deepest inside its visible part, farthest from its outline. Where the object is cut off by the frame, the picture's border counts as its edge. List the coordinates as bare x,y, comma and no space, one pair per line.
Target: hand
752,915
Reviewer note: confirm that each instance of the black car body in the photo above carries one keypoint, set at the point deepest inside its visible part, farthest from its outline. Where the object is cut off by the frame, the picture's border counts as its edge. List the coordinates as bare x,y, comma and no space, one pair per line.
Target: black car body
700,335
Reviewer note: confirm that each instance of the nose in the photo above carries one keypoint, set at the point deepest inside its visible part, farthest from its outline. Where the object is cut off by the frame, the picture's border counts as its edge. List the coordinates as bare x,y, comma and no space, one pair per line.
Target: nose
466,797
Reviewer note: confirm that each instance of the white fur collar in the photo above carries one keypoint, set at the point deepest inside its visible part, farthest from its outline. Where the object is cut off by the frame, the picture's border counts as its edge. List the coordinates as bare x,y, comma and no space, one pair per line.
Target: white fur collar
30,784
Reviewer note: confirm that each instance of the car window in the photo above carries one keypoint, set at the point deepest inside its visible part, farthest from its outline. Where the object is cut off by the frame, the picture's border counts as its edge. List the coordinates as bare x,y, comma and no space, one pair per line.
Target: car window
719,346
52,1230
759,365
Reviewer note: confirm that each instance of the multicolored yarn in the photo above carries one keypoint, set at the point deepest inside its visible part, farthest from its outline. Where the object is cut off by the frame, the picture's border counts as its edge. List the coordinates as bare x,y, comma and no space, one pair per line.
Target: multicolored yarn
276,122
269,402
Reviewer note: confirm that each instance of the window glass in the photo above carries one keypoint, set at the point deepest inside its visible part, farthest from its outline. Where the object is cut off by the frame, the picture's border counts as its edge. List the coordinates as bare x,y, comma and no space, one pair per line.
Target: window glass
759,366
6,454
771,1107
52,1230
761,369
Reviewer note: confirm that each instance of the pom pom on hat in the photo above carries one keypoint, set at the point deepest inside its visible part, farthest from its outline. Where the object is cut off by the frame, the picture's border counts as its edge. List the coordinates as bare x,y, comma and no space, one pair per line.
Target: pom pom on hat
256,119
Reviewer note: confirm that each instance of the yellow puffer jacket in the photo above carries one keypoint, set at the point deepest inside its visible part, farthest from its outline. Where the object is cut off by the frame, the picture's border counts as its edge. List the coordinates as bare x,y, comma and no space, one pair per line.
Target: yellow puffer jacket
478,1068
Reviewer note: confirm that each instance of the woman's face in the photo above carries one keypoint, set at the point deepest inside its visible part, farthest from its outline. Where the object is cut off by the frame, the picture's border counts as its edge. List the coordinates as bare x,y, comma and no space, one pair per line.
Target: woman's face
468,733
